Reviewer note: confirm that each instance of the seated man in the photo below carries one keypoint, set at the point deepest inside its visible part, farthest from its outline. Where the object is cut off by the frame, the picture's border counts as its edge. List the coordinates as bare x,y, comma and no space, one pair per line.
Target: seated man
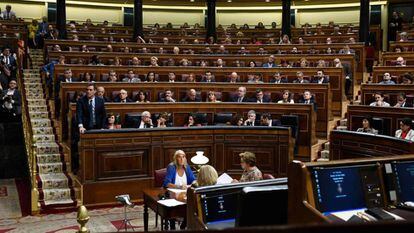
320,78
386,79
171,77
266,120
277,78
241,96
402,101
146,121
251,118
299,78
100,92
400,62
379,100
113,77
270,62
191,96
307,98
122,97
405,131
208,77
67,77
260,97
131,77
168,97
234,77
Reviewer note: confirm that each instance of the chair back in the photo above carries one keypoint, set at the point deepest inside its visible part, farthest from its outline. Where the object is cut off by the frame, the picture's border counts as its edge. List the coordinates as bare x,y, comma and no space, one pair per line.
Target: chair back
159,176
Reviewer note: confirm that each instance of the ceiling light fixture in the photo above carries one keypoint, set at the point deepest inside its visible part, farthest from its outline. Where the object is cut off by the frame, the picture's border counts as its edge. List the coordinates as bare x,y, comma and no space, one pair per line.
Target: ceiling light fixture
229,0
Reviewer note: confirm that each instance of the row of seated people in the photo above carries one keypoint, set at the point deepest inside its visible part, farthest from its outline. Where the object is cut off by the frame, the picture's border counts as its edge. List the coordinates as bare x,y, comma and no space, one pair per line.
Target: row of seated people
402,100
192,95
207,50
404,79
375,126
269,62
164,119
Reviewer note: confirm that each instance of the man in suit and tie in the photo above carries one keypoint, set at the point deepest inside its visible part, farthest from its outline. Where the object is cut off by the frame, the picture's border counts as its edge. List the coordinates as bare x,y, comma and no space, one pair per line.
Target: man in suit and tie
402,101
307,98
100,92
8,14
90,111
146,121
9,61
241,96
131,78
277,78
122,97
261,98
251,118
348,74
320,78
168,97
266,120
299,78
14,95
208,78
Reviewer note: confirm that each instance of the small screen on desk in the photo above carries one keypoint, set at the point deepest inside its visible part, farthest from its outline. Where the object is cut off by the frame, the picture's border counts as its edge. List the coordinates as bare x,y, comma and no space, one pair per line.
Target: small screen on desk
219,207
338,188
404,176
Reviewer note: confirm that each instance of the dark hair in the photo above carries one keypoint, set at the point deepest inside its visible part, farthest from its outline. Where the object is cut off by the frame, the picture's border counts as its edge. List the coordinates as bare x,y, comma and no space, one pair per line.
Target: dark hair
369,119
379,93
145,94
259,90
407,121
92,85
402,94
266,116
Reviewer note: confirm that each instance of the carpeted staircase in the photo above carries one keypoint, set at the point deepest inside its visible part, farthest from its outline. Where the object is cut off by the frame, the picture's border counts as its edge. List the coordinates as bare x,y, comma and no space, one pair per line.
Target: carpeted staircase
54,184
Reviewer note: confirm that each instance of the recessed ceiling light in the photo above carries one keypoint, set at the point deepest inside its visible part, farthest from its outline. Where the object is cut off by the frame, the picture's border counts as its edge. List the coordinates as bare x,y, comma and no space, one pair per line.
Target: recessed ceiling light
267,0
229,0
192,0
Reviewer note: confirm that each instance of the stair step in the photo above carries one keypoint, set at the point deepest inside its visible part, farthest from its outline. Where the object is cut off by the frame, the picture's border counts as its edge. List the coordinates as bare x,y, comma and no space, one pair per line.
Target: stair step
38,108
44,138
47,148
40,123
37,115
48,158
41,102
47,168
42,130
57,196
54,181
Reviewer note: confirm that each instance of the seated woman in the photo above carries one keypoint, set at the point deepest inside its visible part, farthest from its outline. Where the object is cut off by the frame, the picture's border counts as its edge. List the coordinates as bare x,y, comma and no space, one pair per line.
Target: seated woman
179,173
286,98
191,121
250,171
110,121
150,78
142,97
366,126
405,131
206,176
237,120
212,97
162,120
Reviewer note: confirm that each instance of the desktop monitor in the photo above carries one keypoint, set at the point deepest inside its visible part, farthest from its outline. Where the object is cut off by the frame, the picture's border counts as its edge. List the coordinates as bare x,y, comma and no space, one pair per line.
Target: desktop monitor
219,209
261,206
404,180
346,188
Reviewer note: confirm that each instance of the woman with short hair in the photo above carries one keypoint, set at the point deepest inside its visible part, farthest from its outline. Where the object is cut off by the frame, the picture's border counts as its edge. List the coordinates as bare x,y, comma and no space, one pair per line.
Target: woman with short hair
206,176
250,171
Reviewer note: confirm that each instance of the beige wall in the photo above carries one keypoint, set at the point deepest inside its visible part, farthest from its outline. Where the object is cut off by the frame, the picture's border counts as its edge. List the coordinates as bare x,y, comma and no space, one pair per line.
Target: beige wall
28,10
179,17
340,15
97,14
251,17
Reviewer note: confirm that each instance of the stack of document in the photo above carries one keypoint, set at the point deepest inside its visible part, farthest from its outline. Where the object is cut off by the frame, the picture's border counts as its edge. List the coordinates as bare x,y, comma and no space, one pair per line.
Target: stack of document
224,179
171,202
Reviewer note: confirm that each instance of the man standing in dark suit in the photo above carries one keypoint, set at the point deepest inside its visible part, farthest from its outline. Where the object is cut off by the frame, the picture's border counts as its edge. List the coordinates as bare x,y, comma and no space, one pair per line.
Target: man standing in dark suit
90,111
14,96
266,120
261,98
9,61
241,96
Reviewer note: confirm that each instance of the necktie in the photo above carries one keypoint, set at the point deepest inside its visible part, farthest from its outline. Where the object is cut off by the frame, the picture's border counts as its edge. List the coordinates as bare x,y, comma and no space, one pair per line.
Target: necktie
240,100
92,116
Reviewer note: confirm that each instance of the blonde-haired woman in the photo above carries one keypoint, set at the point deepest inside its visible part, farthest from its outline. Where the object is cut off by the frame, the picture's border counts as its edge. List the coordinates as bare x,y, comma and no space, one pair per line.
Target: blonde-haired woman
206,176
179,173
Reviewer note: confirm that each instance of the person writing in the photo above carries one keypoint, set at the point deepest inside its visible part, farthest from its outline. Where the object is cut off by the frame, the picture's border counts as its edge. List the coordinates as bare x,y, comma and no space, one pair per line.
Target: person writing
250,171
179,173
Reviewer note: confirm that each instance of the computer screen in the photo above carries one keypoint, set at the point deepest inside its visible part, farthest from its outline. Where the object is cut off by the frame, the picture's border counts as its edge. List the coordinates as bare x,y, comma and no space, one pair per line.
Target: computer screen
219,207
404,177
341,188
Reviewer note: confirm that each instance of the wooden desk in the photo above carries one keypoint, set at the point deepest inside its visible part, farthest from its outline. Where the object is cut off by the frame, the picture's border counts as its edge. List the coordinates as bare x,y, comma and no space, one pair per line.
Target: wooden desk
395,72
151,197
390,92
114,162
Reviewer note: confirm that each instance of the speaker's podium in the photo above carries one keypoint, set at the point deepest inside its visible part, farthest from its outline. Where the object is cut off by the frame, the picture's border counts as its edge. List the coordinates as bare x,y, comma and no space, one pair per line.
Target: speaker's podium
220,207
357,190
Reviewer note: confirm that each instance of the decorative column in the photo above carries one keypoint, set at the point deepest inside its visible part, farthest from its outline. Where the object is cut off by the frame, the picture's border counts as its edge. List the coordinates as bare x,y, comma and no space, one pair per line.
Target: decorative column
211,19
364,21
61,18
138,19
286,24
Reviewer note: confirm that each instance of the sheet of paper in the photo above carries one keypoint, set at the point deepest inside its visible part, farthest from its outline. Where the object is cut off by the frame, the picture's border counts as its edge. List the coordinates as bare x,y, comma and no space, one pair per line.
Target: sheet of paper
171,202
346,215
224,179
177,191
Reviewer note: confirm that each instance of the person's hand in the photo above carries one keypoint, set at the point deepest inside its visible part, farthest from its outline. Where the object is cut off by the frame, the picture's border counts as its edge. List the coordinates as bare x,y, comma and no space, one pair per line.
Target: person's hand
47,74
82,130
234,181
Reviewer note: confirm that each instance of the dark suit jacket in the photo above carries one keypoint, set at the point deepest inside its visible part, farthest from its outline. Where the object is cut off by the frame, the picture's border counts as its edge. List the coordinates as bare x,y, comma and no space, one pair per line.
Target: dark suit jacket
283,80
16,97
186,99
203,80
347,70
61,79
236,99
297,81
83,113
165,100
408,105
266,99
118,100
312,101
325,80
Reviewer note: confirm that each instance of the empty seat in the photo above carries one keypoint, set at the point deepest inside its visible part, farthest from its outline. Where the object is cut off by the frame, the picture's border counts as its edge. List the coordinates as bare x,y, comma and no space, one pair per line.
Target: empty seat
223,118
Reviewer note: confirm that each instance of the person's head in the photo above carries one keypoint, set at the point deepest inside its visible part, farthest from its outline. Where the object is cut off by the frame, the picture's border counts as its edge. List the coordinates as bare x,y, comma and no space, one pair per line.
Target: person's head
163,118
207,176
154,61
112,76
320,74
110,118
179,158
8,8
366,122
123,94
299,75
277,76
219,62
67,73
131,74
247,160
222,48
405,124
234,76
146,117
12,84
286,95
251,116
165,40
211,96
386,77
252,64
90,90
191,78
398,49
241,91
87,77
400,61
307,95
265,119
285,38
271,59
304,62
135,61
407,79
208,76
401,98
192,94
259,94
176,50
168,93
100,91
150,77
328,40
141,96
379,97
171,76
